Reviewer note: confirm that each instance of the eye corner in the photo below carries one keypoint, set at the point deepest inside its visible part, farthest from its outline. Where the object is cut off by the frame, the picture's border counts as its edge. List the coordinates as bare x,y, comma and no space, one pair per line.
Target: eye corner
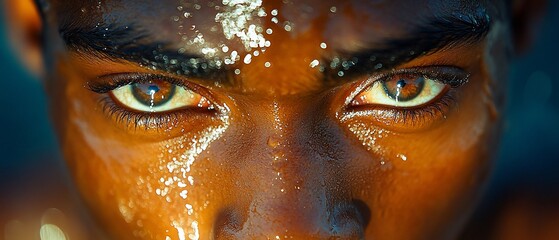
97,87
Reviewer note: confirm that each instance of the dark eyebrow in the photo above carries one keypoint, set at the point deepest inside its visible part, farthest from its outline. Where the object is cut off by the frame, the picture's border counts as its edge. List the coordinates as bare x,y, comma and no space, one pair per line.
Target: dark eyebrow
434,35
113,42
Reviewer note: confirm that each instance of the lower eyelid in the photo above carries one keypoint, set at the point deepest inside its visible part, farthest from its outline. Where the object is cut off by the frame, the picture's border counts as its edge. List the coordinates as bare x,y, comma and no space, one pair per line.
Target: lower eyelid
405,119
419,116
152,127
131,118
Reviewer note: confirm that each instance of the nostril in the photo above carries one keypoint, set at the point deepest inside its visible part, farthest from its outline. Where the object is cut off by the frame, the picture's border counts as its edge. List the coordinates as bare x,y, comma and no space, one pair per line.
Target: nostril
227,224
364,212
348,222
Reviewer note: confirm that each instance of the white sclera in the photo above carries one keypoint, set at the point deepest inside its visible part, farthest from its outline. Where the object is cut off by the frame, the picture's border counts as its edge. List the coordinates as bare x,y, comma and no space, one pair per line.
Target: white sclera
376,95
182,97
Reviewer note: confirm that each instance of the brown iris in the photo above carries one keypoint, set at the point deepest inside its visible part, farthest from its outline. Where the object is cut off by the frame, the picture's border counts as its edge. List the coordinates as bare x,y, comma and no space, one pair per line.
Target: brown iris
404,88
154,93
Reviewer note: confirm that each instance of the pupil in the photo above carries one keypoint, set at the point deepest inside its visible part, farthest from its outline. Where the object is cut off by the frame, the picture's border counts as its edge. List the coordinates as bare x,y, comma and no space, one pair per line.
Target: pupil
153,89
401,83
153,94
404,89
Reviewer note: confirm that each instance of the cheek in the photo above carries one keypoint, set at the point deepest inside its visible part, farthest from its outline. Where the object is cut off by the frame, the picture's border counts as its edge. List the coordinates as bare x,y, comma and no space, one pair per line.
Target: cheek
428,181
152,189
136,186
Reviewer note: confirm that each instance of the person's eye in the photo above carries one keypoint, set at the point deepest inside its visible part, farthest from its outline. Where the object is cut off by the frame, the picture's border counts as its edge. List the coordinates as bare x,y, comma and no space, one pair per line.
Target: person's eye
408,98
148,100
157,96
404,90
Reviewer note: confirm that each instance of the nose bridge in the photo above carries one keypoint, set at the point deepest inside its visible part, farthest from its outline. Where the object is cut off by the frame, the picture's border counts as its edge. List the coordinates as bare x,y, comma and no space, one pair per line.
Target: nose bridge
294,194
300,213
292,152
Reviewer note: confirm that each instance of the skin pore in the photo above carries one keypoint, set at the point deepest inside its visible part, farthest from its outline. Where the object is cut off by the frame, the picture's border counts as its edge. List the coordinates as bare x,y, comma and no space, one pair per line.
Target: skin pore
277,119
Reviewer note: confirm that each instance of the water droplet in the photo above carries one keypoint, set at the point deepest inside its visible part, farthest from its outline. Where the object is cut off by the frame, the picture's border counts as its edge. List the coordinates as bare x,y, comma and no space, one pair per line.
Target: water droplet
189,209
248,59
287,27
184,194
333,9
314,63
225,49
402,156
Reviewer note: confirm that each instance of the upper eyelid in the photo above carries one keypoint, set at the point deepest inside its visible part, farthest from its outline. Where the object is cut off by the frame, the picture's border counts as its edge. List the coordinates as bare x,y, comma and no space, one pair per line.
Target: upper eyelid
453,76
450,75
107,83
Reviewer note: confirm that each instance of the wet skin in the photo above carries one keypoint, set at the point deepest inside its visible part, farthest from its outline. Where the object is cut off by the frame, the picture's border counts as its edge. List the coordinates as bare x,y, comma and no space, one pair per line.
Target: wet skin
283,147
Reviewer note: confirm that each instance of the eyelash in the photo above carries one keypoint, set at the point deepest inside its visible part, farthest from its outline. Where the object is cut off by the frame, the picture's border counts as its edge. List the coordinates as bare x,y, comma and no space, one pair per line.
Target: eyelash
138,119
111,82
420,115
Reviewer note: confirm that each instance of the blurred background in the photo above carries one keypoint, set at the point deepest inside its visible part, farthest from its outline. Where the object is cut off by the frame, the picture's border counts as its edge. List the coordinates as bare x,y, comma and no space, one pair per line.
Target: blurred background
528,160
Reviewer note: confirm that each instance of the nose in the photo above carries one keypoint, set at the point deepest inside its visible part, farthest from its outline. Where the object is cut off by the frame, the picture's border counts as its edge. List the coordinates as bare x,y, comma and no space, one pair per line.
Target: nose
290,220
297,184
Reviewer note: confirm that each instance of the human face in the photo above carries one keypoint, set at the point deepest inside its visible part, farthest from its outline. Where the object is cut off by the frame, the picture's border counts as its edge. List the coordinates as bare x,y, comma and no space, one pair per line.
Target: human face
268,119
